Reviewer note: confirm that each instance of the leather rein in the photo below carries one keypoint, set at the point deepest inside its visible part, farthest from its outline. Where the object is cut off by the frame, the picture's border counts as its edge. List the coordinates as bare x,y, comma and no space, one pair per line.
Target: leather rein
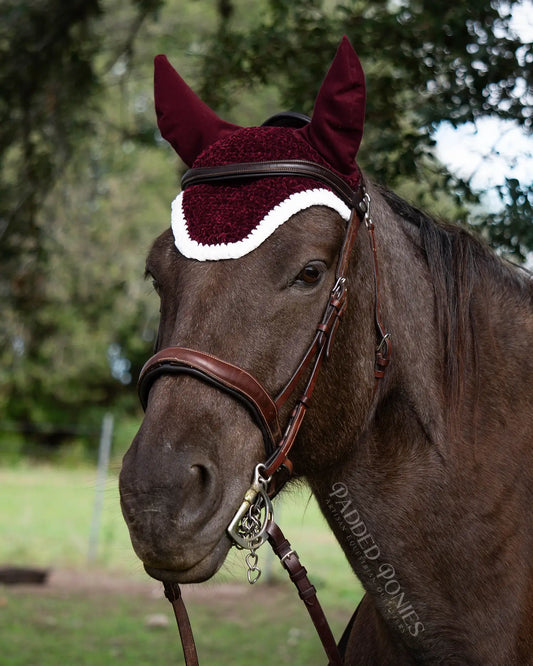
253,524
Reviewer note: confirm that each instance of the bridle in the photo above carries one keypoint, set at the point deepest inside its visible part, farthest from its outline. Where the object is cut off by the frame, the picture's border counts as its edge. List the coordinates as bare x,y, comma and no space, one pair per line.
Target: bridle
253,523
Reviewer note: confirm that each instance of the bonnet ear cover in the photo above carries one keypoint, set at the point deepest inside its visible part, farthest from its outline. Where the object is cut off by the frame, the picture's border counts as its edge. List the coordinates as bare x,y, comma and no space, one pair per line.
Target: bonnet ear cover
183,119
336,128
228,220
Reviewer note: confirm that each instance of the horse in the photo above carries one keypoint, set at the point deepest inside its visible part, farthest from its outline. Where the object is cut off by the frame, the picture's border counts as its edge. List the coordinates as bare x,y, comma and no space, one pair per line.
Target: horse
417,443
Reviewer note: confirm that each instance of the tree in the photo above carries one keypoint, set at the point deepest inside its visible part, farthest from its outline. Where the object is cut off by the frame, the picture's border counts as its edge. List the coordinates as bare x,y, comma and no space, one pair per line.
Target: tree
426,63
55,57
85,179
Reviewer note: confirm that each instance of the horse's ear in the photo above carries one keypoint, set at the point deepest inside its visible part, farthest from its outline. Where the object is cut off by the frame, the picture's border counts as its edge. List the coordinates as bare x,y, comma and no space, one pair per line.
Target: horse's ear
184,120
336,128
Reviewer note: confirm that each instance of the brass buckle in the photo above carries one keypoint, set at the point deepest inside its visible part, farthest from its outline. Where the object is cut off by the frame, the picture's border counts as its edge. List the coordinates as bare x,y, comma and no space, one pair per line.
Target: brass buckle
248,526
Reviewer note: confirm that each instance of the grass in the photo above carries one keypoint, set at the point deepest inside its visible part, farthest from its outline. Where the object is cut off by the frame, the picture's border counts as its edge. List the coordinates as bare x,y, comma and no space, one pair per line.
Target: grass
97,629
46,518
98,614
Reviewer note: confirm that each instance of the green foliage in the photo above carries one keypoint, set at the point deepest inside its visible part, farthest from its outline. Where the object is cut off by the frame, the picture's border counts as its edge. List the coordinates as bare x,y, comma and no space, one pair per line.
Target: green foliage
48,84
507,228
425,63
85,180
61,278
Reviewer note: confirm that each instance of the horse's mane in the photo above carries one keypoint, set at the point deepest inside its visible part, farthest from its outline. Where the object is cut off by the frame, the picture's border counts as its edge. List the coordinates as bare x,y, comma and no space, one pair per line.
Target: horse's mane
458,261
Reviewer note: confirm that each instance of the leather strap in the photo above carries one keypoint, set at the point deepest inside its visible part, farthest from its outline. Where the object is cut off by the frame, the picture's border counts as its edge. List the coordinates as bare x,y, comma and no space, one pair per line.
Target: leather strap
249,170
298,575
384,347
334,310
226,376
173,594
318,350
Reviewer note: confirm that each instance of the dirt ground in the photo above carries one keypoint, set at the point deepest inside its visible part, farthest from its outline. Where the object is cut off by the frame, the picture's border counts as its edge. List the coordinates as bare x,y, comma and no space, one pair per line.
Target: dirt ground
94,582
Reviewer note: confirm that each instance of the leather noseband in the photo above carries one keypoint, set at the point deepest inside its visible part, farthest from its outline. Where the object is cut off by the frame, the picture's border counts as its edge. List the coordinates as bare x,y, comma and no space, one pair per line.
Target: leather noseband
221,374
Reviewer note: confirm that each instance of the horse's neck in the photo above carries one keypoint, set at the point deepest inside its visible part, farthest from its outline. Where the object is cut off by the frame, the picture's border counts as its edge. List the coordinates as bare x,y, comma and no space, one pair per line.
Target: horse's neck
430,511
473,384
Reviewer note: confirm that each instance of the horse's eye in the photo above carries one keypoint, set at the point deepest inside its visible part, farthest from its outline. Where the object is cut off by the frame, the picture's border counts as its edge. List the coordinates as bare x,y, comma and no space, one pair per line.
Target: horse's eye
311,274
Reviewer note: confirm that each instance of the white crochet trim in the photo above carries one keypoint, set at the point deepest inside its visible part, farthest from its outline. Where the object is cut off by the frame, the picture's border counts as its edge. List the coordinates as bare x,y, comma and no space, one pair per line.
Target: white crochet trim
276,217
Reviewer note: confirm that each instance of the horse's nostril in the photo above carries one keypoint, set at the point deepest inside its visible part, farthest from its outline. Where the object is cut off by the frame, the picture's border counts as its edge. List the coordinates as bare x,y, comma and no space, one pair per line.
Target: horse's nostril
198,489
202,476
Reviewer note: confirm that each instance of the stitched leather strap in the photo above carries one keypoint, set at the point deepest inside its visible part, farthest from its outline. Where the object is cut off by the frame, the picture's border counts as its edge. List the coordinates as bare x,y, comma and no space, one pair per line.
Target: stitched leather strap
226,376
384,347
298,574
318,350
248,170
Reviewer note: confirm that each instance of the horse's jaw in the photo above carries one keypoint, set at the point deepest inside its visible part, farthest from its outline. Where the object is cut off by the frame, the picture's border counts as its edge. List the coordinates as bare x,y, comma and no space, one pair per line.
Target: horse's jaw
198,572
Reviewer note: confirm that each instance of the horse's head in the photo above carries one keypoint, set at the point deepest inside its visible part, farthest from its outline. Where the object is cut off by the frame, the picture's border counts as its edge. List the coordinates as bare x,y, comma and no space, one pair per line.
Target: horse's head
244,276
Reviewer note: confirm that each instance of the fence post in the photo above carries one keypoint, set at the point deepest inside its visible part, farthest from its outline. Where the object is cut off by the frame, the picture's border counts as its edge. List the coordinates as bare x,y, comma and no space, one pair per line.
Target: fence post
104,450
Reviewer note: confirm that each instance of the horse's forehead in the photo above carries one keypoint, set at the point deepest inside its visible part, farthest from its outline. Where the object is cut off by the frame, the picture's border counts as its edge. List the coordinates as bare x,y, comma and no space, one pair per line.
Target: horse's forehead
315,231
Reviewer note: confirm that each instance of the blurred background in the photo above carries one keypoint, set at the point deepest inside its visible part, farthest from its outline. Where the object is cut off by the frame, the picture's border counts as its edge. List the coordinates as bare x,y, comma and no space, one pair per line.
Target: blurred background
85,186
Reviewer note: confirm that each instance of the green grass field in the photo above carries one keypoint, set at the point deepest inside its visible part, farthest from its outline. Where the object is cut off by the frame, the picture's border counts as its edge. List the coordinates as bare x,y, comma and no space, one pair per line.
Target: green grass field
100,613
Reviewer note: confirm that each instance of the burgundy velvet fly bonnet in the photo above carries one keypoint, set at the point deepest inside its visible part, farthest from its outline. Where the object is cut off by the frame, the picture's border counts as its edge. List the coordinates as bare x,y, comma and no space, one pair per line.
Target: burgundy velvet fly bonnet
228,220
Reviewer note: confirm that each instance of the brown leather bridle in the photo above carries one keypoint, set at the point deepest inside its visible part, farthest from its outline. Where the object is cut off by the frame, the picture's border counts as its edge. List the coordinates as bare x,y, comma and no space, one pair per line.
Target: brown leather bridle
265,410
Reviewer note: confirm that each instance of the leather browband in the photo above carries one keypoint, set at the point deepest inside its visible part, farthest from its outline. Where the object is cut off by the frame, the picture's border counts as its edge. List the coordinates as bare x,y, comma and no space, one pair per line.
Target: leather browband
246,170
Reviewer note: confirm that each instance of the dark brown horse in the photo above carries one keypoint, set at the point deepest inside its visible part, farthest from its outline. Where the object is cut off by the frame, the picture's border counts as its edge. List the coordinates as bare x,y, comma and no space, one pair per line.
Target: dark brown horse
426,478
